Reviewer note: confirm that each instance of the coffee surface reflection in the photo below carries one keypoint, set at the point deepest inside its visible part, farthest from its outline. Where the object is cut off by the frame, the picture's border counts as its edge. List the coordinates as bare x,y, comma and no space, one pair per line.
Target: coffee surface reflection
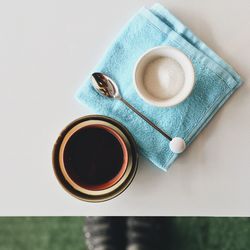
93,156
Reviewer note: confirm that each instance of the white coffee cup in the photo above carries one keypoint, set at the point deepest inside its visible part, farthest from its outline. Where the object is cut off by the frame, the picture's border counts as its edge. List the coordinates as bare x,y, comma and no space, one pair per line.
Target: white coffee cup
164,76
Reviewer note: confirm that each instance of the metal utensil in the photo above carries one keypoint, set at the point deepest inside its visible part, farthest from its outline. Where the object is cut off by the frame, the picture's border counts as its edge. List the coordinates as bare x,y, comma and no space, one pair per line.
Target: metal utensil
105,86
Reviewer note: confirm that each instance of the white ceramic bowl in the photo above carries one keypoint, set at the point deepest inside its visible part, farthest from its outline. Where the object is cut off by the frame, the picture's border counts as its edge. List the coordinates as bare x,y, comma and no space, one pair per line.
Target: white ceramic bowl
164,76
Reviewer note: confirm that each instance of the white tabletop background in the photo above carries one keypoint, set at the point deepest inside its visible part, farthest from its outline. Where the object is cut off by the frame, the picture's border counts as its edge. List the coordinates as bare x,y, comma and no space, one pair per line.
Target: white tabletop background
46,50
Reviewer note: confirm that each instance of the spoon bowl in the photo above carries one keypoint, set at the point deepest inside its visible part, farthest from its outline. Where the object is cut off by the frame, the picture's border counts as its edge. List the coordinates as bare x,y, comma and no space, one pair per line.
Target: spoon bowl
104,85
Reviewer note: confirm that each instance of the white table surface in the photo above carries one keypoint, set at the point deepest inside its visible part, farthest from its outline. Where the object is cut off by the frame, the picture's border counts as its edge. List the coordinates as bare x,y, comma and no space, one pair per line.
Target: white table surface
46,50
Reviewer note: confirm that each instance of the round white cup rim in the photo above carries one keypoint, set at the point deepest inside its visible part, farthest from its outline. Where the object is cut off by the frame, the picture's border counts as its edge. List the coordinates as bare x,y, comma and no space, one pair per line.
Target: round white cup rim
171,101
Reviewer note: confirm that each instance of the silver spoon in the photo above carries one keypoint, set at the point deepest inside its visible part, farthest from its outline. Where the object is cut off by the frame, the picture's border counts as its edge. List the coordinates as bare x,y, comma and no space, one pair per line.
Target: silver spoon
105,86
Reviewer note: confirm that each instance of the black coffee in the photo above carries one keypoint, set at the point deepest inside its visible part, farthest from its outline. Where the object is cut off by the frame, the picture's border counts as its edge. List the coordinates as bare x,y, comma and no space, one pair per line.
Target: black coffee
93,156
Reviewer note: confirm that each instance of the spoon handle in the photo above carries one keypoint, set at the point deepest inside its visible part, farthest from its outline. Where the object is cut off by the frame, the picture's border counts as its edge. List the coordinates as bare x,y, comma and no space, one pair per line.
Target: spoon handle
146,119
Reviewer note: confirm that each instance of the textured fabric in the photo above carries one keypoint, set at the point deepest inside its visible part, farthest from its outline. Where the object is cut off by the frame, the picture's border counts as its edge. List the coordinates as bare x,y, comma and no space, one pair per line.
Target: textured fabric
215,82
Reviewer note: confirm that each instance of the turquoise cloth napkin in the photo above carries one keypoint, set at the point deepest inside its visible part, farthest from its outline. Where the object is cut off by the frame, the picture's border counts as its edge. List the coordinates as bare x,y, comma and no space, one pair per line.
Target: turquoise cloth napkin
215,82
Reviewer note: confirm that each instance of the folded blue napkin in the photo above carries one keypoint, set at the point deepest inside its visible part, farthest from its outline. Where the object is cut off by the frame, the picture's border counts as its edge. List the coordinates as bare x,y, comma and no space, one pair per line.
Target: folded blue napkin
215,82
